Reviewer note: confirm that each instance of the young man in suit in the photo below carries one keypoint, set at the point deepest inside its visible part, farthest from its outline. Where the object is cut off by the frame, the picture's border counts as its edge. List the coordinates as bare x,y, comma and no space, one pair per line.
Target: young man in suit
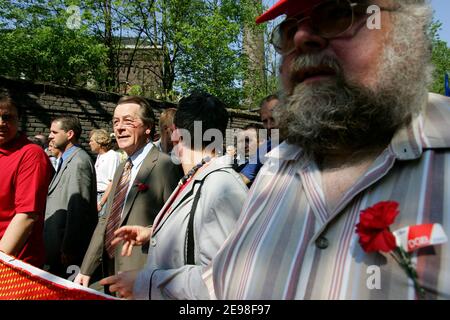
140,188
71,213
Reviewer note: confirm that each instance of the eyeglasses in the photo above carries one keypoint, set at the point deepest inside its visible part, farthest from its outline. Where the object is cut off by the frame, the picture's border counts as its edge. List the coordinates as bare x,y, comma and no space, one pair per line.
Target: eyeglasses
128,123
329,19
7,117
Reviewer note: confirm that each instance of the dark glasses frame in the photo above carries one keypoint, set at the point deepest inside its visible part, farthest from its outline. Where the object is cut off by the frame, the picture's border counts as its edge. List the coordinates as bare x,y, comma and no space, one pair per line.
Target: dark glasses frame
8,117
276,38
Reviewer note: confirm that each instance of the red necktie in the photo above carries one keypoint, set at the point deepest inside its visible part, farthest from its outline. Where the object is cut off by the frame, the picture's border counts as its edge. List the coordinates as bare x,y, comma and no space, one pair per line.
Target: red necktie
116,209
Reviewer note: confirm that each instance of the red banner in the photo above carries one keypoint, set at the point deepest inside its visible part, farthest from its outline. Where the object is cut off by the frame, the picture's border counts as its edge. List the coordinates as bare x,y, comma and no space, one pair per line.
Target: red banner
21,281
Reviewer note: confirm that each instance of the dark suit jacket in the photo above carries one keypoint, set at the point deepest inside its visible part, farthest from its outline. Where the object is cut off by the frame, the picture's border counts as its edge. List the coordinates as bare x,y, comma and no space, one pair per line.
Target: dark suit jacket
71,212
161,176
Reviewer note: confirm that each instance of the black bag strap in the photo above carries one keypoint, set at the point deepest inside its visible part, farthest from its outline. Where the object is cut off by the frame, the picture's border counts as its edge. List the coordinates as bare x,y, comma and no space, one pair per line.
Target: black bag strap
190,241
190,246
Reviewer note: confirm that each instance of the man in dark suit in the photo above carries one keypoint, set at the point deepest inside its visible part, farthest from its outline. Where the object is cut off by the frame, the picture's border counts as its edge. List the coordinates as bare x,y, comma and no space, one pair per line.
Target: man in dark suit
140,188
71,213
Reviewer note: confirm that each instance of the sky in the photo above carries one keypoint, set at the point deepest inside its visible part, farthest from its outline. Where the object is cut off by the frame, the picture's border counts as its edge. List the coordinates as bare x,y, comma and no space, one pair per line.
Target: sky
441,12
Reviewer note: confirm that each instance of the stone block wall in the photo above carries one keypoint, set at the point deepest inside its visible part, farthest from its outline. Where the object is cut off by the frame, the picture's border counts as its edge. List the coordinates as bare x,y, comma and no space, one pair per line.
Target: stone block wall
41,102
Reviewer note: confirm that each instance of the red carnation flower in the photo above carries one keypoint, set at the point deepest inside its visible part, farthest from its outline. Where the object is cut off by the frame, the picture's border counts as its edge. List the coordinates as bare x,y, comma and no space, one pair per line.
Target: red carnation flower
374,236
142,187
373,228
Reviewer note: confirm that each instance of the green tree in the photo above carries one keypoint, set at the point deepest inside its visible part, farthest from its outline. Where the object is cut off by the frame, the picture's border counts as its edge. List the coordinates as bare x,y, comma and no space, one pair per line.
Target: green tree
440,59
211,53
155,22
37,44
198,42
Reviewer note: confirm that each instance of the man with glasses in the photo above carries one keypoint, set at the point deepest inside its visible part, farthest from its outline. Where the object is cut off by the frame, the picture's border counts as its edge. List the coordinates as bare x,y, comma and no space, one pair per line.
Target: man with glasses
24,178
361,129
139,189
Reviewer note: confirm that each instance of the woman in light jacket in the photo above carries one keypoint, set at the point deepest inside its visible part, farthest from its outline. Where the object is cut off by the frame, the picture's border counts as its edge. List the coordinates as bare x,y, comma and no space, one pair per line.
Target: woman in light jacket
197,218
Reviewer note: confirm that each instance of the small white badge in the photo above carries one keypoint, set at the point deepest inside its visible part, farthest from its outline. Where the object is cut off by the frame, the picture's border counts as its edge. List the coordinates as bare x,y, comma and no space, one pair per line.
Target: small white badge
420,236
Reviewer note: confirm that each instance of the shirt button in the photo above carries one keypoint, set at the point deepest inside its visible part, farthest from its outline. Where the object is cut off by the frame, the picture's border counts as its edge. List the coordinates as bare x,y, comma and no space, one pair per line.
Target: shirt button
322,243
153,242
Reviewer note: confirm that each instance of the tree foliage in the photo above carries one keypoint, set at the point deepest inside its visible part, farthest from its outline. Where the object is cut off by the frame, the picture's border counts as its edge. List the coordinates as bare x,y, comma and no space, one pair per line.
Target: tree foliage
199,43
210,54
37,44
440,59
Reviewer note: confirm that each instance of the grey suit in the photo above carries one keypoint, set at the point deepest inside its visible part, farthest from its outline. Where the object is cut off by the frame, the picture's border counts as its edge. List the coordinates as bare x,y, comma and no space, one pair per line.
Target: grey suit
161,176
71,213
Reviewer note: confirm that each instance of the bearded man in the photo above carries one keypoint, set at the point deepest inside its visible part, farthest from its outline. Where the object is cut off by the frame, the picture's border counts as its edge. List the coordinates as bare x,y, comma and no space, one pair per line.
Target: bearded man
361,129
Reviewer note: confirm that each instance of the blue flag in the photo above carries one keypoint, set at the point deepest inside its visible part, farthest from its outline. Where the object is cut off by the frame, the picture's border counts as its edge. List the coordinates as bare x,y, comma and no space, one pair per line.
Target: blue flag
446,85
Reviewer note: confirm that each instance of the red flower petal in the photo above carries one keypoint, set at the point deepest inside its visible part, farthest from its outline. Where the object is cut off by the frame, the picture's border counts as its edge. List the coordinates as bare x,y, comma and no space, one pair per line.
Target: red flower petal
142,186
379,216
378,241
373,228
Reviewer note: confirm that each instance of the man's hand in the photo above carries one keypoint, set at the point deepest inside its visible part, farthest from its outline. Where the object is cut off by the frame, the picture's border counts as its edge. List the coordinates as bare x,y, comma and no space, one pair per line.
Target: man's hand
131,236
122,283
82,279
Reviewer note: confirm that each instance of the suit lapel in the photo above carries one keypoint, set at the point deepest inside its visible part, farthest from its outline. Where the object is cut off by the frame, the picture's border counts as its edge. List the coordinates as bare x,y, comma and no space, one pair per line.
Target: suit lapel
145,170
57,177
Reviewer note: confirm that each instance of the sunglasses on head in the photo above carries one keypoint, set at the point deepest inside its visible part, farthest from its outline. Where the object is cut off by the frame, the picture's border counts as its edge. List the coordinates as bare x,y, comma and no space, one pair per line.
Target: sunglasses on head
328,19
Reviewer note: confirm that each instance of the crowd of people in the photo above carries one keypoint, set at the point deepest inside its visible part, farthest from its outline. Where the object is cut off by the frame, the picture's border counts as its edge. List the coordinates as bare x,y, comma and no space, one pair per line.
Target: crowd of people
175,219
88,207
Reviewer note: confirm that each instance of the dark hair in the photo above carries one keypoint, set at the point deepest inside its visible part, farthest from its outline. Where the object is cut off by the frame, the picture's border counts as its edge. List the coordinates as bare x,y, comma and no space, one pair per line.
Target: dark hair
204,107
146,112
7,100
70,123
268,99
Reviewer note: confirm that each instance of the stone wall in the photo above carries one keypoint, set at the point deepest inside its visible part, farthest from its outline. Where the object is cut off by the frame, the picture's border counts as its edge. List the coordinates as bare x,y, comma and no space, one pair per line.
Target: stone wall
42,102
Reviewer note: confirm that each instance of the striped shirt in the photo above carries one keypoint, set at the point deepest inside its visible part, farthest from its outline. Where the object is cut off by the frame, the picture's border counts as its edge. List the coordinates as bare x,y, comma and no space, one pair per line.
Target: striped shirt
289,246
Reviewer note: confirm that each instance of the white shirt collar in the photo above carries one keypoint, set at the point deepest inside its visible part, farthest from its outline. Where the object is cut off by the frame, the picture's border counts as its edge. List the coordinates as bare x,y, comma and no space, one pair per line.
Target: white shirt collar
140,155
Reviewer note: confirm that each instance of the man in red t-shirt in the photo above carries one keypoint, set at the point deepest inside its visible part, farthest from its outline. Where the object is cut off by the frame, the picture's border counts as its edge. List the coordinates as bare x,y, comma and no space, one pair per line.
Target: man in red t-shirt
25,173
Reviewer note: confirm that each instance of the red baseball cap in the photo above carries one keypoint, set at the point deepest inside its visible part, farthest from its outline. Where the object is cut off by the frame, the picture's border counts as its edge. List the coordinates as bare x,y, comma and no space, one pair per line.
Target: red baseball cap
288,7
